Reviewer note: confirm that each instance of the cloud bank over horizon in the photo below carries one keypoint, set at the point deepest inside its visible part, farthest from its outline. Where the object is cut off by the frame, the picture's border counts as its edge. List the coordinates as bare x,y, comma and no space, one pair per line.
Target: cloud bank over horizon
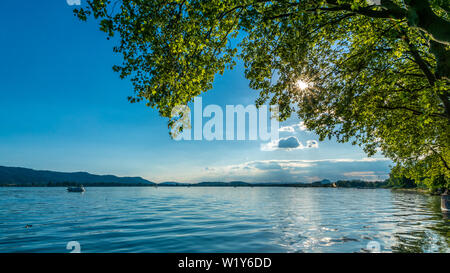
368,169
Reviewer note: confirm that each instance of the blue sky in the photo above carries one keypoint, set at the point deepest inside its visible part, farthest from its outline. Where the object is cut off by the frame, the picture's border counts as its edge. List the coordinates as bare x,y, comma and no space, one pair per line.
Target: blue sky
63,108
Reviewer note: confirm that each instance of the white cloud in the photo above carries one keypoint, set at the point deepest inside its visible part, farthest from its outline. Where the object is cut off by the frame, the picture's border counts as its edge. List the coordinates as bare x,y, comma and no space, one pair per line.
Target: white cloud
312,144
374,2
369,176
73,2
292,128
359,174
288,144
301,126
289,129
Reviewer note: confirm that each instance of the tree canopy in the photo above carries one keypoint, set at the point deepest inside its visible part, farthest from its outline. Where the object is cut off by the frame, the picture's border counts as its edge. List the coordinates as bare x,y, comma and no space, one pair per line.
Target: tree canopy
374,74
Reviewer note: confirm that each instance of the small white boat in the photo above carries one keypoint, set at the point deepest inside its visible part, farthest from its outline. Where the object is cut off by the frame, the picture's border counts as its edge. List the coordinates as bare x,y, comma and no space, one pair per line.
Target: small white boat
76,189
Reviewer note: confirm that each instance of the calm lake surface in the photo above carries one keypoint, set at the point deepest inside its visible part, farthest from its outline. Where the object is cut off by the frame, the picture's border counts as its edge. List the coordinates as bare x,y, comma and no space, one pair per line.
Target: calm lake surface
221,220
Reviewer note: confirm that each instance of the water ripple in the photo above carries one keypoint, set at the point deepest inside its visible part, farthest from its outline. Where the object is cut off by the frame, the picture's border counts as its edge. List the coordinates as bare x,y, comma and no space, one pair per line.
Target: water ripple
220,220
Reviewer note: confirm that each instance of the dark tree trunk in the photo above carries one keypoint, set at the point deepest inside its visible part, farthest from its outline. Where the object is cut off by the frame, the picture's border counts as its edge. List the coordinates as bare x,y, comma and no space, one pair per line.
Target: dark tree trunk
421,15
445,202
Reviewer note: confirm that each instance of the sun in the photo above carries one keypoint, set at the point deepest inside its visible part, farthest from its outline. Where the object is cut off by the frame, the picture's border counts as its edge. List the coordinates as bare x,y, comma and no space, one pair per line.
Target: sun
302,84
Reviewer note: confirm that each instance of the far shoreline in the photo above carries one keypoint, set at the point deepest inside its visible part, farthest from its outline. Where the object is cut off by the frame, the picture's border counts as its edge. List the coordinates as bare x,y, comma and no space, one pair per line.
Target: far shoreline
334,185
347,184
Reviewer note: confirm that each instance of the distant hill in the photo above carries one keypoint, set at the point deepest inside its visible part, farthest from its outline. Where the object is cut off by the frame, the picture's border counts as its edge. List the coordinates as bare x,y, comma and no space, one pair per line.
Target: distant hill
29,177
23,177
205,184
322,182
325,183
171,184
224,184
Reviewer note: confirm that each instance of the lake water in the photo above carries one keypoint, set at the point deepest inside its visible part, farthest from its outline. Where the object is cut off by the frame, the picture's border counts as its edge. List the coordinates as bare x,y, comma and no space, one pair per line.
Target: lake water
221,220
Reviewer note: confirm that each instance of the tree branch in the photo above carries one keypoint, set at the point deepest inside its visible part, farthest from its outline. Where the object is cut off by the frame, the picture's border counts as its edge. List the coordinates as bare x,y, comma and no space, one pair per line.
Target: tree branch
420,15
442,158
391,10
415,112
